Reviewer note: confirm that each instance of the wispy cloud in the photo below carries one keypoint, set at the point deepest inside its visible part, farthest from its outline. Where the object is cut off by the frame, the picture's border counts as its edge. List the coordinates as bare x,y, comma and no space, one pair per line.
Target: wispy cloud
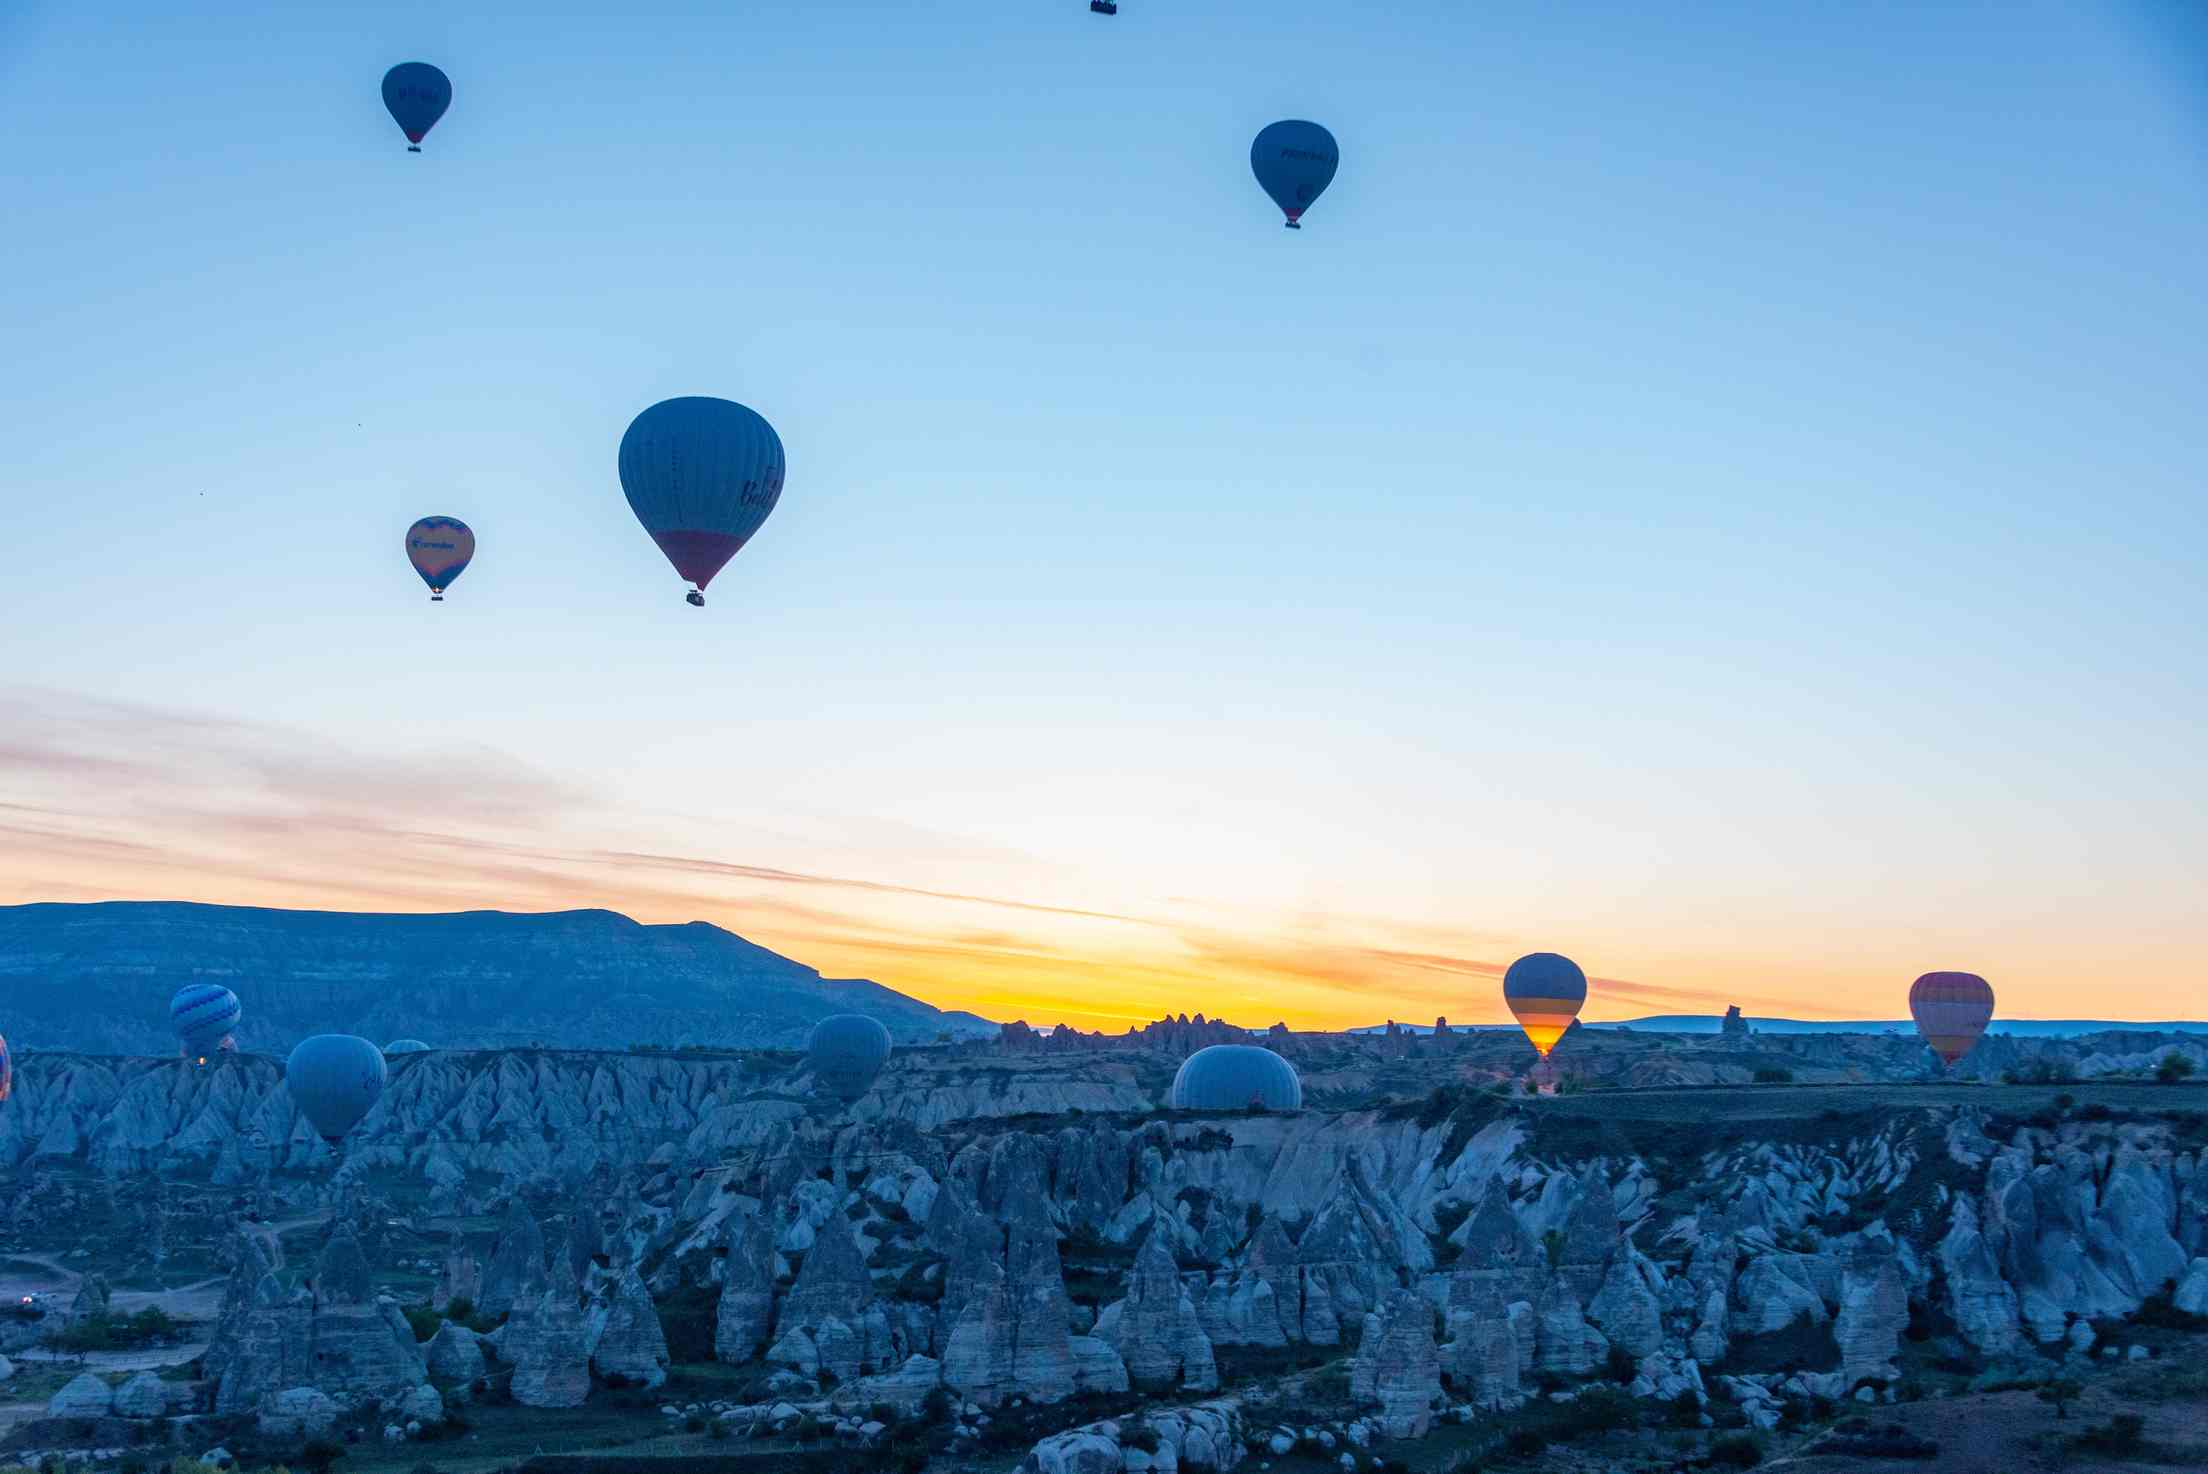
103,799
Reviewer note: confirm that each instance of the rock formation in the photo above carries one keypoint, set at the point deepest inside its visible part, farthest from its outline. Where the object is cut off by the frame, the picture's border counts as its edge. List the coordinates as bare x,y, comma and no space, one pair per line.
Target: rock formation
628,1347
1398,1366
1155,1329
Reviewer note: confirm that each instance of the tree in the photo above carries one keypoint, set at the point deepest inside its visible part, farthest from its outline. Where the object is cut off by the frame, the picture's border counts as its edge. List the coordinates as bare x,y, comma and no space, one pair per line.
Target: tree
2060,1393
2173,1068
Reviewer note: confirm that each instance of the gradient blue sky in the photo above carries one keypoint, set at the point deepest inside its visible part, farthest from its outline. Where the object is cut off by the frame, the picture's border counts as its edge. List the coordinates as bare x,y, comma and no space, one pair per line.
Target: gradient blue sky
1716,490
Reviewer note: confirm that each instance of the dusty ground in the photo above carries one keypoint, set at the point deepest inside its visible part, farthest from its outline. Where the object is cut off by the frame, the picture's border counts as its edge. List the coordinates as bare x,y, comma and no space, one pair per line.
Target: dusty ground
2011,1432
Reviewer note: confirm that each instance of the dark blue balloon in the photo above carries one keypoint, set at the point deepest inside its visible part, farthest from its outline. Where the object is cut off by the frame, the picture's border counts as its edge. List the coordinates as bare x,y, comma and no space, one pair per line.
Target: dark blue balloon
1234,1077
846,1052
1294,162
417,95
335,1079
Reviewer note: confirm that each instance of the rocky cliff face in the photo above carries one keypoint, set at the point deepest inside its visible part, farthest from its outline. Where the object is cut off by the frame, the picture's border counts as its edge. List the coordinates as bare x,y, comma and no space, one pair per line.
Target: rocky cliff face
98,977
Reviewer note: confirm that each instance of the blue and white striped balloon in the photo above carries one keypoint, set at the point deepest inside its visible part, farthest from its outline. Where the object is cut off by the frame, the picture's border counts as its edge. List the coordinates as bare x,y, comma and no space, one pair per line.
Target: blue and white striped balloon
203,1014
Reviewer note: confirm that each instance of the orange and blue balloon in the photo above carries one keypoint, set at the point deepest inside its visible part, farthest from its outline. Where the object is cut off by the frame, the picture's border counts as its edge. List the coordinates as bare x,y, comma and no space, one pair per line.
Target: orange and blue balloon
1545,992
701,475
1952,1010
416,94
440,549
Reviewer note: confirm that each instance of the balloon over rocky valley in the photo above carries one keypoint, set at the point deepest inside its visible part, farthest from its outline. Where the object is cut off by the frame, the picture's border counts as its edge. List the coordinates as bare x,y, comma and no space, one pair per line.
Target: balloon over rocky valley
846,1052
416,95
701,475
1545,993
1236,1077
1294,162
1952,1010
203,1015
335,1080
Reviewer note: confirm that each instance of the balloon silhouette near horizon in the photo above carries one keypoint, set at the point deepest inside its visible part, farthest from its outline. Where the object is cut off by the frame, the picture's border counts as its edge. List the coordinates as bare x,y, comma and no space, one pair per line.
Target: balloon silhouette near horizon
334,1080
416,95
1952,1010
1236,1077
405,1046
204,1015
440,548
1545,992
846,1052
1294,162
701,475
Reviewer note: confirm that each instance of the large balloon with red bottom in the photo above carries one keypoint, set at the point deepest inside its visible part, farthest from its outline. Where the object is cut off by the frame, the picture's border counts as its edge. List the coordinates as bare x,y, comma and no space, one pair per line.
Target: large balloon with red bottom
1952,1010
701,475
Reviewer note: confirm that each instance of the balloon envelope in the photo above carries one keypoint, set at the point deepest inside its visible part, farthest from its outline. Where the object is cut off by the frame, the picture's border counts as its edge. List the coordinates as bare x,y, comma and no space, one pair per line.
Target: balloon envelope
1234,1077
1952,1010
334,1079
417,95
846,1052
440,549
1295,162
405,1046
7,1070
701,475
1545,992
203,1014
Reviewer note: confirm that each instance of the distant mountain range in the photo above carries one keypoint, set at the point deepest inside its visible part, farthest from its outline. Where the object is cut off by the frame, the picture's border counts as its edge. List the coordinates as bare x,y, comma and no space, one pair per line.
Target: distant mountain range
2022,1028
98,977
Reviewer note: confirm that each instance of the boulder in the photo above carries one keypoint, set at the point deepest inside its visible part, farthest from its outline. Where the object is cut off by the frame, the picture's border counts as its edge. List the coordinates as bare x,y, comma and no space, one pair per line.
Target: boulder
454,1354
142,1396
297,1412
2192,1290
85,1395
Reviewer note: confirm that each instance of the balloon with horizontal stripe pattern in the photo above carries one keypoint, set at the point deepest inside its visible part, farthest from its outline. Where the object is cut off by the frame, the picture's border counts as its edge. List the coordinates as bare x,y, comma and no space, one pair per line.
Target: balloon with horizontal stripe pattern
1545,993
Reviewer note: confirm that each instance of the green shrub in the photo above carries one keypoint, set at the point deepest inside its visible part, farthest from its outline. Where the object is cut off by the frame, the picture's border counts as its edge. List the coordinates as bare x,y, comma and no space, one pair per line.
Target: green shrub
1737,1451
1771,1076
1144,1438
118,1332
2124,1434
319,1454
422,1321
1526,1443
1621,1365
2173,1068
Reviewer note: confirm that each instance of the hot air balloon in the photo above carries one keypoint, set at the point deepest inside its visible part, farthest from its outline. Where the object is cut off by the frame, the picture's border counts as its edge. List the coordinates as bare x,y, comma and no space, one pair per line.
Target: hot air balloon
1104,7
334,1079
7,1070
1235,1077
701,475
1951,1010
1546,992
440,548
846,1052
203,1014
417,95
1295,162
405,1046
